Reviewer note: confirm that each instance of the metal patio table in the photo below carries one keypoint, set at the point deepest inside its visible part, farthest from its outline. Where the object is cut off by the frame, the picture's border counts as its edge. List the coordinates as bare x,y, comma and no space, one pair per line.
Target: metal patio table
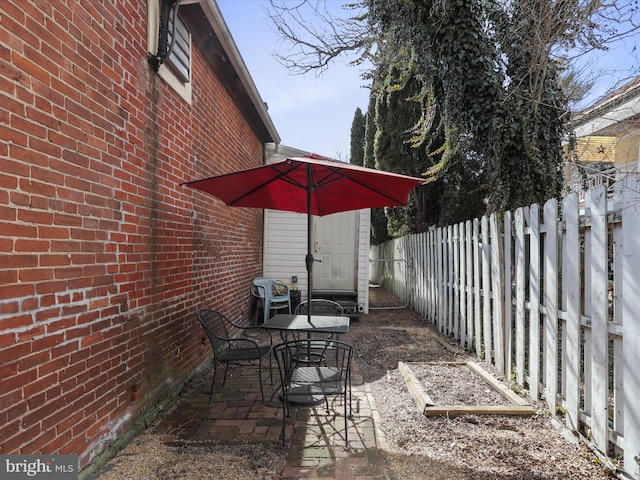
302,323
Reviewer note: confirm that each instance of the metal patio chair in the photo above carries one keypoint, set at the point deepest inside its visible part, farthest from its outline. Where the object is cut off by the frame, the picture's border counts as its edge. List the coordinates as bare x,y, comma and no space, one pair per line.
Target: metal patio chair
231,344
319,306
331,379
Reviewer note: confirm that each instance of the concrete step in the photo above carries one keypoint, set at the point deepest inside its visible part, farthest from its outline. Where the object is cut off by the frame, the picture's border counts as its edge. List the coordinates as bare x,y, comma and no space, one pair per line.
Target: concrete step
347,298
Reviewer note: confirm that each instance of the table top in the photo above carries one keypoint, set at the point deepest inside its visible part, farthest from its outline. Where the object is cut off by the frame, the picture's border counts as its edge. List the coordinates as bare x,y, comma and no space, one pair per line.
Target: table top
319,323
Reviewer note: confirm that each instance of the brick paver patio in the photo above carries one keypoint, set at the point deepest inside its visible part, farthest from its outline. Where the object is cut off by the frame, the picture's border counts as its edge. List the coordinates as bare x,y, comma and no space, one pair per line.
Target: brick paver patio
315,446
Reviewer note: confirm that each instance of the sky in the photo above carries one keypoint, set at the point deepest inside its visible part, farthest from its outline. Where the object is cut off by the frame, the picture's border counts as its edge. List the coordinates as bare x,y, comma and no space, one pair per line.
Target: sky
612,68
310,113
314,113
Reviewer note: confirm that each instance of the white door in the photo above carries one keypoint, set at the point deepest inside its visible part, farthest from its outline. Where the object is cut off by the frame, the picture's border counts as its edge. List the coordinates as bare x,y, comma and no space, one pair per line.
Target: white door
335,245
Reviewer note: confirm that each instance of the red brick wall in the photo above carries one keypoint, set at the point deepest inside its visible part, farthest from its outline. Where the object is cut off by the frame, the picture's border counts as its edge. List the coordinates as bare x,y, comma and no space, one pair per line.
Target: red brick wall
104,257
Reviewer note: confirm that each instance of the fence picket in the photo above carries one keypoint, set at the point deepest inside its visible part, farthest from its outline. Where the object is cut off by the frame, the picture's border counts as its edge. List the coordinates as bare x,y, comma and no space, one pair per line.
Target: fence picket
520,296
508,295
586,295
476,287
597,198
497,290
424,274
615,292
571,305
455,280
534,302
463,284
487,338
630,210
449,279
550,291
432,275
469,250
618,343
440,290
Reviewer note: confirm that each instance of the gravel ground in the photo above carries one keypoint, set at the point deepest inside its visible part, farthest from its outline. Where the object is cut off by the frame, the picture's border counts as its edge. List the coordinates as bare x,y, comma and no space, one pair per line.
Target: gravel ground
465,447
417,447
148,458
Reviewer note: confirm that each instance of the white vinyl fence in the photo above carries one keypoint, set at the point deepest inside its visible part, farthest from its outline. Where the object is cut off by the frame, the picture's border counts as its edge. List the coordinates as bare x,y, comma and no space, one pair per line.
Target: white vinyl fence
550,295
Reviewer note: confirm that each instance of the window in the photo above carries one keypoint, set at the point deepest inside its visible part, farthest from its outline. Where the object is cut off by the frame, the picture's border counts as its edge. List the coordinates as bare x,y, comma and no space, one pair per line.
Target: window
180,57
176,69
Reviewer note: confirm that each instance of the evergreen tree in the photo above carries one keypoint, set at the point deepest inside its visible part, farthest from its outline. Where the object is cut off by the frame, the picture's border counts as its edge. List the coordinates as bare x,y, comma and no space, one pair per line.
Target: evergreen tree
358,127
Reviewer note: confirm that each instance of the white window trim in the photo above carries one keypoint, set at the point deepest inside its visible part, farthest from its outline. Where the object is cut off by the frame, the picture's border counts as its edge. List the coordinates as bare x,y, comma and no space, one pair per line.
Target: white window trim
165,71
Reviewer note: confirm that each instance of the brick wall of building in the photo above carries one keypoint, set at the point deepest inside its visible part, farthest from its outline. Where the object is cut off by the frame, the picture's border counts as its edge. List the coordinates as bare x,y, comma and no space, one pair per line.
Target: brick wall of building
104,257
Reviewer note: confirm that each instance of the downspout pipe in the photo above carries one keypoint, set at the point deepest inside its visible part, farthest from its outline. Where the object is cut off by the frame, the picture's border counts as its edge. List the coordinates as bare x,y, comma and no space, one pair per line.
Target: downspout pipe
164,48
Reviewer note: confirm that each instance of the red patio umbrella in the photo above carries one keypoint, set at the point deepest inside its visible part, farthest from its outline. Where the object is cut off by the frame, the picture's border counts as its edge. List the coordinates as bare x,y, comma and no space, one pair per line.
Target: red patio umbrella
313,185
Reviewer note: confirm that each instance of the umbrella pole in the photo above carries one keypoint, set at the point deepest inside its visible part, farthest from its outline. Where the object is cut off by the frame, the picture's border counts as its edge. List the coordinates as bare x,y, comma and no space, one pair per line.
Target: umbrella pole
309,259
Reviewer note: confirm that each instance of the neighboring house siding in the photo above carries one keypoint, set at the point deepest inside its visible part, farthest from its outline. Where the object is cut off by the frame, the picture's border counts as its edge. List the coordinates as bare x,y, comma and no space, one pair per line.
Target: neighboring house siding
605,140
104,257
628,148
608,130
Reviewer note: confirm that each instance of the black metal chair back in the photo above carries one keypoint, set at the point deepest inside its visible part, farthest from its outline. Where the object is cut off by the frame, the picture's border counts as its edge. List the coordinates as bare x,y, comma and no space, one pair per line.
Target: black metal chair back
320,306
230,344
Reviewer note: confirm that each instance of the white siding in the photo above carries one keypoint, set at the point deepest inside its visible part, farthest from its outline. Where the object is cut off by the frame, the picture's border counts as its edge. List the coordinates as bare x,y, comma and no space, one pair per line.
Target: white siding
285,247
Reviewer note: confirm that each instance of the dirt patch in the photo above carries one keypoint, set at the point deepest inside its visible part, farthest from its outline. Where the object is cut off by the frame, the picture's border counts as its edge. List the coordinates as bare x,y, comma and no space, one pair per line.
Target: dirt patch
438,382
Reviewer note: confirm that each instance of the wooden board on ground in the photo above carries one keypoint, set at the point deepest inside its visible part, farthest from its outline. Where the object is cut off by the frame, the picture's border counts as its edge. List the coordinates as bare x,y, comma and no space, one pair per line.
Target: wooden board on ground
517,405
421,397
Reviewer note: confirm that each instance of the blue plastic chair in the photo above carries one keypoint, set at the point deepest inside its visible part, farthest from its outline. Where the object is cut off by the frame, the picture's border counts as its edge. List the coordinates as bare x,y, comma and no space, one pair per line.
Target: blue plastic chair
272,295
